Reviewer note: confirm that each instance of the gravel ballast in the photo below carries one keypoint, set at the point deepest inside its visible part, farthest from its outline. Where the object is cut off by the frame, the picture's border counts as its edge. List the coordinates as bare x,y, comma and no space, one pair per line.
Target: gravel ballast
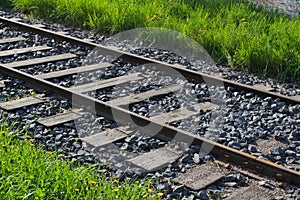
242,119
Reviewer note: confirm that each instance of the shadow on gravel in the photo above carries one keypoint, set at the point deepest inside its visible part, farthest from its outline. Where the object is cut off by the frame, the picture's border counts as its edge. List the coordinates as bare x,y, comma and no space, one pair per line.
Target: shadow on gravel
5,4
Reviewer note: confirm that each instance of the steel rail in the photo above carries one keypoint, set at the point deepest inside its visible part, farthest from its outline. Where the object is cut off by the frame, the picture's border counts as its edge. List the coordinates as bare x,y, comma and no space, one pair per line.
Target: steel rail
166,132
190,74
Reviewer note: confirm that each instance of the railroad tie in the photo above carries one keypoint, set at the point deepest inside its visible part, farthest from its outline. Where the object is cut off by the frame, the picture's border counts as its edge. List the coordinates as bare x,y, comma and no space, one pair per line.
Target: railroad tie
183,113
10,40
150,162
264,146
144,95
20,103
36,61
61,118
107,136
76,70
252,192
200,176
106,83
24,50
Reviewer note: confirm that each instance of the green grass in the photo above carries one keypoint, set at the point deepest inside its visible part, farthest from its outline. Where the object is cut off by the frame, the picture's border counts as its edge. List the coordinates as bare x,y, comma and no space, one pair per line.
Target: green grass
28,172
234,32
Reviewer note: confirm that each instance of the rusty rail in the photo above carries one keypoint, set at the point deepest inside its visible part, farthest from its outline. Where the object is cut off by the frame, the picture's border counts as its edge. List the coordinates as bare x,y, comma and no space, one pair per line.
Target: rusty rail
167,132
190,74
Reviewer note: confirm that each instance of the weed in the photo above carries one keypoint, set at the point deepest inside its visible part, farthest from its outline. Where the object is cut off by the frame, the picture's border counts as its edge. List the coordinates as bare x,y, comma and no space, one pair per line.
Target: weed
28,172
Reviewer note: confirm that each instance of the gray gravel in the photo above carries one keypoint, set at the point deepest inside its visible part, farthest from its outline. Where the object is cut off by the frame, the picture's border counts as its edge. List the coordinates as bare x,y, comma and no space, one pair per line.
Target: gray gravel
64,140
288,7
247,118
289,89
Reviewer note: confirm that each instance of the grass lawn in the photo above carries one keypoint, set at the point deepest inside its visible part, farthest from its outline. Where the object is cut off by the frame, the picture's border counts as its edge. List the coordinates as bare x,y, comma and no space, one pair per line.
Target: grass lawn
28,172
234,32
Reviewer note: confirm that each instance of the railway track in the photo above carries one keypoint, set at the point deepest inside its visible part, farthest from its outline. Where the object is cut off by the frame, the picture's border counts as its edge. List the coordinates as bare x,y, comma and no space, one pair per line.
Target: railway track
198,176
